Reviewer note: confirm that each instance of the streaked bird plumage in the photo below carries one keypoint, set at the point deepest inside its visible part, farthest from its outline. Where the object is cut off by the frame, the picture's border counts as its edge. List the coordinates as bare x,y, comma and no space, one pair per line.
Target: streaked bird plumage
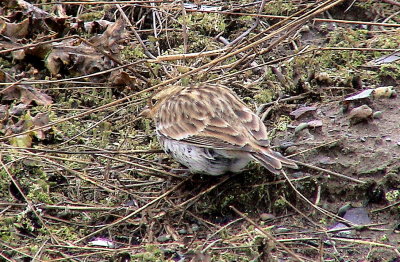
210,130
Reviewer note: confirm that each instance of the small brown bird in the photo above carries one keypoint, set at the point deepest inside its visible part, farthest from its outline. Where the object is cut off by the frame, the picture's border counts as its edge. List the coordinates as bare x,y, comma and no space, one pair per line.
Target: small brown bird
210,130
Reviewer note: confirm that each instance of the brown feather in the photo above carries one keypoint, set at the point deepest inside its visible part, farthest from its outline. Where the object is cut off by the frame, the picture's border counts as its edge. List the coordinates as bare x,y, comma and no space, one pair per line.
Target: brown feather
213,116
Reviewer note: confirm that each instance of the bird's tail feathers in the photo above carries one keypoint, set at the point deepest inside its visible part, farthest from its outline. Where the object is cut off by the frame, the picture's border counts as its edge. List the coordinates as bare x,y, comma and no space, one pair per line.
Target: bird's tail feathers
273,161
285,161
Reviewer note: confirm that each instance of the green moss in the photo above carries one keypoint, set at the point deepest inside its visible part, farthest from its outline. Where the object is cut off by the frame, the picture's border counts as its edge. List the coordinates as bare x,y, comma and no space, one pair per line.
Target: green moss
280,7
280,204
132,54
346,37
265,96
204,23
392,70
152,254
92,16
393,196
65,232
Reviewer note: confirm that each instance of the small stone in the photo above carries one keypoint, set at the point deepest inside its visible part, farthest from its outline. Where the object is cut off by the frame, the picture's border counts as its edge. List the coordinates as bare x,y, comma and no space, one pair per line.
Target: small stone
363,139
291,150
398,143
266,216
282,230
195,228
285,145
360,113
300,127
315,123
377,115
182,231
163,238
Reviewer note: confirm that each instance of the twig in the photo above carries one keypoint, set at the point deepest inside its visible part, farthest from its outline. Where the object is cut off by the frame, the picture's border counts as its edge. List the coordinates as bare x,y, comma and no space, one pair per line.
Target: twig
28,202
267,234
301,213
131,214
190,201
184,28
330,172
392,2
323,211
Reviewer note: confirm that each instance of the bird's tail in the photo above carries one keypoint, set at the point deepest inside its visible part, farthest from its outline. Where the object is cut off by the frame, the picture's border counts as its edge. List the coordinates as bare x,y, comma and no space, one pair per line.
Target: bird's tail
273,161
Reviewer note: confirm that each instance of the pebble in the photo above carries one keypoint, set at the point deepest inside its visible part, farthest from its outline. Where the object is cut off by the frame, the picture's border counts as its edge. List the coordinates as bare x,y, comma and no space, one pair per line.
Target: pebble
377,115
195,228
182,231
300,127
266,216
282,230
163,238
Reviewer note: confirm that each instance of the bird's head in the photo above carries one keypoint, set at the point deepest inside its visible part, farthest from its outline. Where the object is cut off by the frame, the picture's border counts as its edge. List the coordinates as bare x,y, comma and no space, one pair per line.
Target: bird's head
156,100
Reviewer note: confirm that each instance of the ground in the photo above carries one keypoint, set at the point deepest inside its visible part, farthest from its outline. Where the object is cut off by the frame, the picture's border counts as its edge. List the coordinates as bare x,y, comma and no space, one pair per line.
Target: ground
83,177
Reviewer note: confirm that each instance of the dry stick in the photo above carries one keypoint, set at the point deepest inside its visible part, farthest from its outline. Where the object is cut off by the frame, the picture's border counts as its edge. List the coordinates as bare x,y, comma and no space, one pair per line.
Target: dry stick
267,234
66,207
112,58
184,28
292,17
16,250
187,202
142,166
297,23
132,214
94,182
323,211
392,2
4,167
93,126
149,151
255,24
386,207
171,80
330,172
299,54
37,44
358,241
39,251
6,258
69,80
301,213
146,51
292,25
155,17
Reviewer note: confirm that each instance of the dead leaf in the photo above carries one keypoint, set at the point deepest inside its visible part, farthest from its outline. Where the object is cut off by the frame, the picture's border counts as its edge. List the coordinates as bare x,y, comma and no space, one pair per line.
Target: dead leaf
41,119
113,35
21,140
26,94
362,95
14,30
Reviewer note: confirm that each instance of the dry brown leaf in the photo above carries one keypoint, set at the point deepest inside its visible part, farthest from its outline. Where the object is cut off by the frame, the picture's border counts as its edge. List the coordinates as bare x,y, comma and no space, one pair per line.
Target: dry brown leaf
26,94
14,30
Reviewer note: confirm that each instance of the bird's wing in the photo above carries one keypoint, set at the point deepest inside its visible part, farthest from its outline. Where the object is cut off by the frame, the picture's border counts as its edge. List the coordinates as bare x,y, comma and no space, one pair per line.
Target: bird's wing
211,117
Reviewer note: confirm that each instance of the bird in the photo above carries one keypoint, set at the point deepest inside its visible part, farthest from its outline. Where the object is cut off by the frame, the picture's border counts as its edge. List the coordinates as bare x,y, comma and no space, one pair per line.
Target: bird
210,130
